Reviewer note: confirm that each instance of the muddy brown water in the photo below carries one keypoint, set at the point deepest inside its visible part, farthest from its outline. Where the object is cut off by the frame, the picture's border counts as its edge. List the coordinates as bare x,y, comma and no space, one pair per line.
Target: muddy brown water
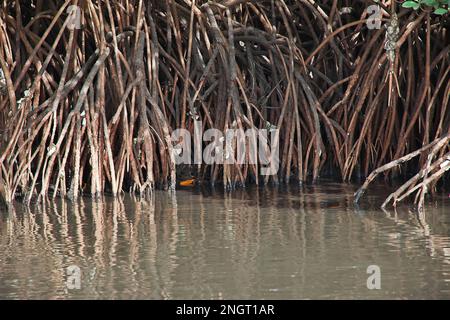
273,243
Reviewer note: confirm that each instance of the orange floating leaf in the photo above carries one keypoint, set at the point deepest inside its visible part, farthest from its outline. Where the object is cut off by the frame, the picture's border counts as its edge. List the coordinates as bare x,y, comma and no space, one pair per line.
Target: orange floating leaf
187,183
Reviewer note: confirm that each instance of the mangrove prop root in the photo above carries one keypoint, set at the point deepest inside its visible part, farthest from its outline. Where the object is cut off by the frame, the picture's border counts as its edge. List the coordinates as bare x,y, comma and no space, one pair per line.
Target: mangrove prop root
435,166
89,100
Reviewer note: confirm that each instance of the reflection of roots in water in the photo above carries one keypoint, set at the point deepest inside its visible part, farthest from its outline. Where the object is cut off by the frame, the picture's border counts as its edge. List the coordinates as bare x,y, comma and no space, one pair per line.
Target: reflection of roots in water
142,243
435,245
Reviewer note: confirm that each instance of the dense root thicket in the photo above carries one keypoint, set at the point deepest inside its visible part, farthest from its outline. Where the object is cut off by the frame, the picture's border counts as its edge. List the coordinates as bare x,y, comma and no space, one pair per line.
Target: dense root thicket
92,108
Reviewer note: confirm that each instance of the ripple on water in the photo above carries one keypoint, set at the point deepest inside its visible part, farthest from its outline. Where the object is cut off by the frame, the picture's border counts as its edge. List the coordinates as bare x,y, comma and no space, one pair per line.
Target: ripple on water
280,243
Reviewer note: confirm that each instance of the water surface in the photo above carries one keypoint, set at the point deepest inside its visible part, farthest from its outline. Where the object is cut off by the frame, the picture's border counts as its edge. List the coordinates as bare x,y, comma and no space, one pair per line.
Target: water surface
274,243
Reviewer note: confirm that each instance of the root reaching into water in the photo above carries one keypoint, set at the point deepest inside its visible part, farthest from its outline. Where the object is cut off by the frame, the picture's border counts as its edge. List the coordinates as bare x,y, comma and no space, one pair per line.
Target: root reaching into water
89,106
434,168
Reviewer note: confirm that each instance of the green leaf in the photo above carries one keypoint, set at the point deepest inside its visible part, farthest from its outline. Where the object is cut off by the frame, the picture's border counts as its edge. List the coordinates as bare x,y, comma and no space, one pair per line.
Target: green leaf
411,4
440,11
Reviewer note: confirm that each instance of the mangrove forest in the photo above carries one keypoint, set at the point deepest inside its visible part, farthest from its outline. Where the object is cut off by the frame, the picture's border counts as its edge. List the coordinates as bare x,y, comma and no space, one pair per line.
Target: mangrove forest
92,91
